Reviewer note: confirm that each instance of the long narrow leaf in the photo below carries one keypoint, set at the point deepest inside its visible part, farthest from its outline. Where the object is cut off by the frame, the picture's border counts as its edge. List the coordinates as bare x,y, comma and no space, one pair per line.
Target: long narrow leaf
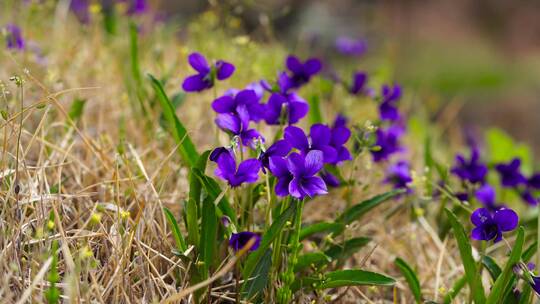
179,132
355,277
492,267
346,249
208,243
178,238
411,278
503,282
473,277
318,228
454,291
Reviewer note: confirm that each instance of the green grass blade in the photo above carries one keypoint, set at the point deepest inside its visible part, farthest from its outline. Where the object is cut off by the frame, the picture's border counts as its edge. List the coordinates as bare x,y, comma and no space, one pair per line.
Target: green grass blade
267,239
319,227
465,250
260,277
209,227
76,109
355,277
503,282
187,148
213,190
411,278
315,114
525,294
492,267
178,238
454,291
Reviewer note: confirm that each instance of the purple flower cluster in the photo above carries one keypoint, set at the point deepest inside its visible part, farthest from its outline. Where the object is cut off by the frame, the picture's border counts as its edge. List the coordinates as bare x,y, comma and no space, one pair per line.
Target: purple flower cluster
350,46
512,177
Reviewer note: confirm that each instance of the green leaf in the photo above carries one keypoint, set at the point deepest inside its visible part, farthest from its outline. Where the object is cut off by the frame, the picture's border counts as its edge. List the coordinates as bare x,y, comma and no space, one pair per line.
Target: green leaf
357,211
319,227
187,148
269,236
411,278
315,114
454,291
213,190
178,238
465,250
76,109
502,284
259,279
311,258
348,248
525,294
492,267
209,243
355,277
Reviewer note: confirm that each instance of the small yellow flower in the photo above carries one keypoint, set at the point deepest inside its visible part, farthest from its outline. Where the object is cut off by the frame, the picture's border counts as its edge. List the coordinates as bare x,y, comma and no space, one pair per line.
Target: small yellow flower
95,218
50,225
124,214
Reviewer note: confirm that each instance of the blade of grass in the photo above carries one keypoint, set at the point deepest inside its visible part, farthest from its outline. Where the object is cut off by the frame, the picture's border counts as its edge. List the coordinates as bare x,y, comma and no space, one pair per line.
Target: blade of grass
473,277
355,277
187,148
178,238
411,278
502,283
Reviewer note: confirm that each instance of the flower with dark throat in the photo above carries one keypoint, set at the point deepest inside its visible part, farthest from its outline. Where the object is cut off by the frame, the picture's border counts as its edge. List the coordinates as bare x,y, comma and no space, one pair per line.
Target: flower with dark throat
285,109
246,172
206,74
280,148
297,175
319,139
490,226
237,124
14,38
301,72
472,170
388,108
399,175
241,239
510,173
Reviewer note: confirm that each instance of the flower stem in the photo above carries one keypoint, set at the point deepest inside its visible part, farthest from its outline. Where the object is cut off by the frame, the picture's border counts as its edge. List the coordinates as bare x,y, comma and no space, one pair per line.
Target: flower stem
285,296
538,238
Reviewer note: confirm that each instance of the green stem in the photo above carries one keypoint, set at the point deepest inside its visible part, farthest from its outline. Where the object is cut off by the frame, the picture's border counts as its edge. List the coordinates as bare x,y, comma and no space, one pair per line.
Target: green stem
285,295
538,238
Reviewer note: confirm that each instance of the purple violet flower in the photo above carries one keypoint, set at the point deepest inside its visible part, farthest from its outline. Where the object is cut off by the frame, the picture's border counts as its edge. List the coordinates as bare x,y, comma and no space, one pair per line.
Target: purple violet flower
240,240
280,148
247,171
388,142
301,73
229,103
388,108
296,175
14,39
490,226
319,139
358,85
534,181
207,74
510,173
536,284
472,170
340,121
399,175
290,107
528,196
351,47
